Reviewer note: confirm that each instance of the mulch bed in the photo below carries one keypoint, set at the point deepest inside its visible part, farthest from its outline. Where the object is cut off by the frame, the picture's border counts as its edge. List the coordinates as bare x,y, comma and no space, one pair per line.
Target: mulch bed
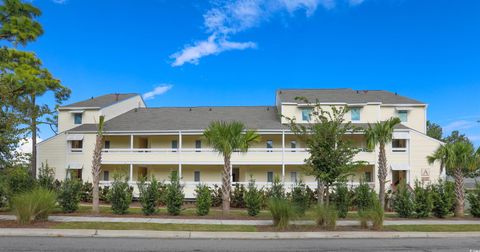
308,228
36,224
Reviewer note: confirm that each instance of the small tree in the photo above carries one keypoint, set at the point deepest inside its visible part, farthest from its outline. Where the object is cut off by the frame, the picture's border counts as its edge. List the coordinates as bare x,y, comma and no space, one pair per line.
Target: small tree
403,201
422,200
363,197
237,196
204,199
474,200
69,195
331,153
443,198
175,195
120,195
253,198
46,177
300,198
17,180
342,200
277,190
149,195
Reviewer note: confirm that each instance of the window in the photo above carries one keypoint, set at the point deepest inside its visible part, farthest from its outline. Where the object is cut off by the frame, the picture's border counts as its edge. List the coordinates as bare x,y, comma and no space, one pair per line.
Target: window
399,145
174,145
107,144
293,145
198,145
403,115
269,145
106,175
306,114
355,113
76,145
293,177
196,176
77,118
368,177
270,177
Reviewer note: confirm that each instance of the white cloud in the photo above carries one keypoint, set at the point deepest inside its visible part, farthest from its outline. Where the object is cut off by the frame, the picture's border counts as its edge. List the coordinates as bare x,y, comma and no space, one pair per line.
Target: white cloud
161,89
460,125
59,1
192,53
229,17
25,146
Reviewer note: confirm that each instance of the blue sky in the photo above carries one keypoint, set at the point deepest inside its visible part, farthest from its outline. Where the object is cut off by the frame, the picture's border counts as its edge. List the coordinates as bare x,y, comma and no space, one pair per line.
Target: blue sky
239,52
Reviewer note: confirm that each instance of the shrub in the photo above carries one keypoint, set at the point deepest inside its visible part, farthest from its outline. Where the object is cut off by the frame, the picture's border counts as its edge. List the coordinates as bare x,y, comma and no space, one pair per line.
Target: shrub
33,205
120,195
282,211
149,195
217,196
46,177
342,200
300,198
18,180
277,190
86,192
69,195
204,199
422,200
474,199
3,193
443,199
326,216
253,199
237,196
402,201
162,194
375,215
175,195
312,196
363,197
104,194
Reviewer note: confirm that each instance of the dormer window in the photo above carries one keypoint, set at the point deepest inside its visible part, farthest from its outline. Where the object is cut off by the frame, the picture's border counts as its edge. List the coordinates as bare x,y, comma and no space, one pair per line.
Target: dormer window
306,114
77,118
355,114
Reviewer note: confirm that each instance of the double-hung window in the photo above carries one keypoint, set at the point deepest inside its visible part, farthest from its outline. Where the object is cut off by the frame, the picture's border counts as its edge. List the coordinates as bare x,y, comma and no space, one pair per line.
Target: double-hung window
293,177
306,114
106,175
76,145
196,176
403,115
77,118
174,145
399,145
355,114
269,145
198,145
293,145
270,177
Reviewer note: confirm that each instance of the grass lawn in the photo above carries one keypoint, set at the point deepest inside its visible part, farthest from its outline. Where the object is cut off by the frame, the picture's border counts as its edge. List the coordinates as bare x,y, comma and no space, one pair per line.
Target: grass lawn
154,226
434,228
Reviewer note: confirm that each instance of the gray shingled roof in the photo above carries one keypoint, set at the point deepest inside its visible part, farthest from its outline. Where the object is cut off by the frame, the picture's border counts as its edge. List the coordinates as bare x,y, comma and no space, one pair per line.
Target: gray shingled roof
195,118
100,101
345,95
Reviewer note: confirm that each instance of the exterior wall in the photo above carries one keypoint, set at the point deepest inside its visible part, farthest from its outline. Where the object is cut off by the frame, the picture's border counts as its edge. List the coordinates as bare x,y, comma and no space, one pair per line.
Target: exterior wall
415,118
53,151
421,147
65,118
122,107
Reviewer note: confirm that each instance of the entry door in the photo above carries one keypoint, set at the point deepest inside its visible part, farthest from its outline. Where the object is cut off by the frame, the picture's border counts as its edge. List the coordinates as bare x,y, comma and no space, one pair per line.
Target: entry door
236,174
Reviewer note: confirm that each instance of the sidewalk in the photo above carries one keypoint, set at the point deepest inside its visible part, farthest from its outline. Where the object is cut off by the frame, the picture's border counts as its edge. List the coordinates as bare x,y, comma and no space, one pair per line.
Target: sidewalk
58,218
82,233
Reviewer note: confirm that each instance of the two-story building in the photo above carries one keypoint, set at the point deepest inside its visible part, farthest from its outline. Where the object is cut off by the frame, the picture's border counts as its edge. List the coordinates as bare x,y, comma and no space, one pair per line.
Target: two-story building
141,141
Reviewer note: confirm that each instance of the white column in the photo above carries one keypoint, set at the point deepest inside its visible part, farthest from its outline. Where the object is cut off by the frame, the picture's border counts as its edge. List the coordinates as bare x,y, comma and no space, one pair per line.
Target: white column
283,156
131,141
180,154
130,179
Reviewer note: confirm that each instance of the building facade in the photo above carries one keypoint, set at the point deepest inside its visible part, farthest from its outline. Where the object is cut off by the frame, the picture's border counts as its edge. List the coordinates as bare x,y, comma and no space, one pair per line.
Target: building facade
141,141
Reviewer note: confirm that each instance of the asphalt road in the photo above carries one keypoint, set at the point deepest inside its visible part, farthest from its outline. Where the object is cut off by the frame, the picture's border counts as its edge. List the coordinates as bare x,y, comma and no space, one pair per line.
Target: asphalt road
114,244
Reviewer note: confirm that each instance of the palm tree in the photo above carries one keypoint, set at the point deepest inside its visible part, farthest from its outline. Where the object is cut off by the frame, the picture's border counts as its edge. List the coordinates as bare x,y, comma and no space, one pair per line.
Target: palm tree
381,133
226,138
96,166
457,157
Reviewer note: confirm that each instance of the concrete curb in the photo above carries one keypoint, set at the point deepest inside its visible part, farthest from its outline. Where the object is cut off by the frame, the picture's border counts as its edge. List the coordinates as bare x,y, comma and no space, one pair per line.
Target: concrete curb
82,233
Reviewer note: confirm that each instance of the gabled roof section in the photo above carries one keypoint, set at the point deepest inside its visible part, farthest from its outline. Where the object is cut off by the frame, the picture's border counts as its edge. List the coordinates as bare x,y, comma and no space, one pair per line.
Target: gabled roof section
344,95
100,101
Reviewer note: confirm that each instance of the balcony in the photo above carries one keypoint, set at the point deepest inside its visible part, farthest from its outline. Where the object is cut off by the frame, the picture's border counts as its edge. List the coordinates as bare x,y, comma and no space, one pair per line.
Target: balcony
209,156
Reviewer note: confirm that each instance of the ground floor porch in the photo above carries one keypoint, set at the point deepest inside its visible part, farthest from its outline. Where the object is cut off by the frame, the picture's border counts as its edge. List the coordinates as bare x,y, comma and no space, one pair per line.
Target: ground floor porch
211,175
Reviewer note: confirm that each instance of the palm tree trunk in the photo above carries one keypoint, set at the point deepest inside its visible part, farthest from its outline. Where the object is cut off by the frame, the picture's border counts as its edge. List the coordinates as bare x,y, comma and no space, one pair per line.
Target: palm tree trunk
226,186
96,165
382,174
459,192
